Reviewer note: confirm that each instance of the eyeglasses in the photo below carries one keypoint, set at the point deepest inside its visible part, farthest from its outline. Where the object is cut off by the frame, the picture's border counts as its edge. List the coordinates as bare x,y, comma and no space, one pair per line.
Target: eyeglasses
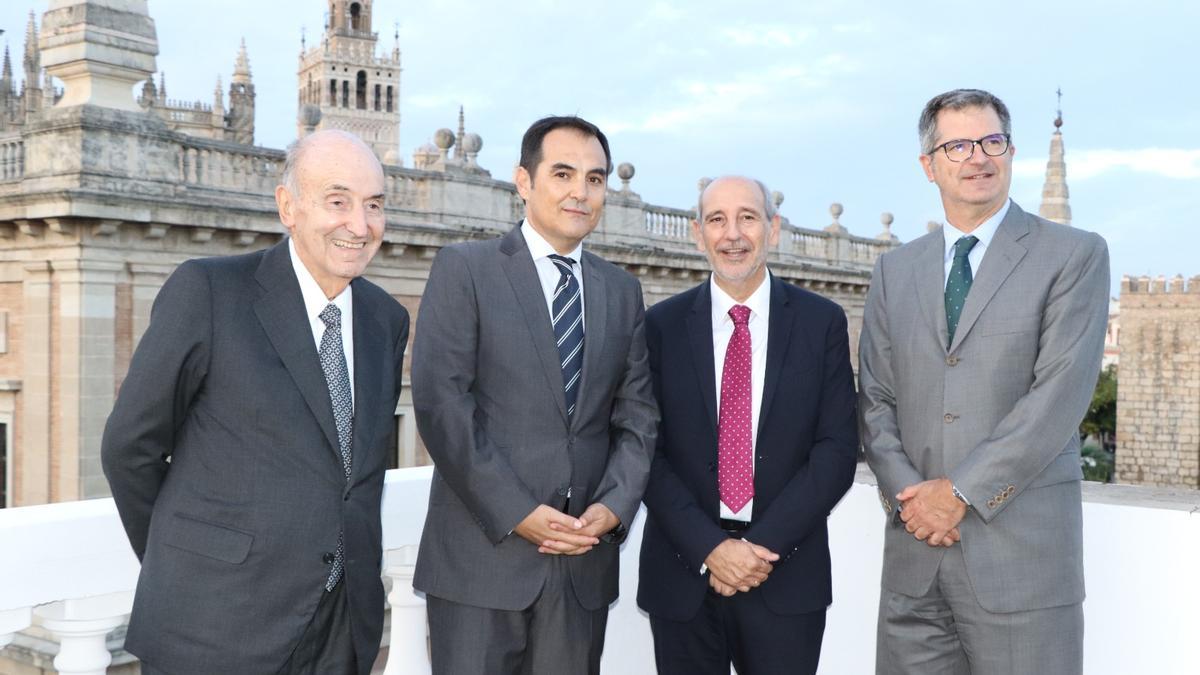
962,149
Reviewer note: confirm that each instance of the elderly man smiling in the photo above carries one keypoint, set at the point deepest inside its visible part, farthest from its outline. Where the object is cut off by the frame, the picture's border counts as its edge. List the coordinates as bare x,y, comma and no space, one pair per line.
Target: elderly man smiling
247,448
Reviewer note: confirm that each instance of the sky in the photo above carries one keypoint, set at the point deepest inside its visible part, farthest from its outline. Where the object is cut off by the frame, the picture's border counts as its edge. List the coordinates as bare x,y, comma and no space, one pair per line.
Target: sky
819,100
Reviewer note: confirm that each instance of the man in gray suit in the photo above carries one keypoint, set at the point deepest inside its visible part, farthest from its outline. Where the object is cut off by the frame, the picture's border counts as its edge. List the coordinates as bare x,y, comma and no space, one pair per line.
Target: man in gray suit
247,449
980,349
532,393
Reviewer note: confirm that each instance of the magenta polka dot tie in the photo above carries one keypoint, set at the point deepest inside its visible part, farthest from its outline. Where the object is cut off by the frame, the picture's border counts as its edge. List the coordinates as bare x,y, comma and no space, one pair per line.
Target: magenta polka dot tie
735,461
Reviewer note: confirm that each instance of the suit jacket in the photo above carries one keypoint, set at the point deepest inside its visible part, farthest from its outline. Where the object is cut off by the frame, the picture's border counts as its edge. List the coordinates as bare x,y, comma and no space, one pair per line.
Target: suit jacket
488,397
805,452
223,459
997,411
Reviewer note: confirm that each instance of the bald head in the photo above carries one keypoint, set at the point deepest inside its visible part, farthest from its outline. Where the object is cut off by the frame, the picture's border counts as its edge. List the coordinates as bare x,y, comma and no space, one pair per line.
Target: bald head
768,205
322,144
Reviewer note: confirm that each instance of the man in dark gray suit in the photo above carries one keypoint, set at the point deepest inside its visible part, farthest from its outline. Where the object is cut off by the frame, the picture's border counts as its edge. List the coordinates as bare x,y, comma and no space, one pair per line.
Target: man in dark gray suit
532,393
980,349
247,448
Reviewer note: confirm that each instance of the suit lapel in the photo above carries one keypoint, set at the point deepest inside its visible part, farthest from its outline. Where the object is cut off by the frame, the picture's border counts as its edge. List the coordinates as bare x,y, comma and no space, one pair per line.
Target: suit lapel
1001,258
929,278
368,342
779,332
522,275
595,317
281,312
699,328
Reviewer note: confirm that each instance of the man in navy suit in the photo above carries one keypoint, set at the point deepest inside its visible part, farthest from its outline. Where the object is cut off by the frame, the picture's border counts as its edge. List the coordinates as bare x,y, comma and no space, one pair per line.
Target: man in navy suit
757,444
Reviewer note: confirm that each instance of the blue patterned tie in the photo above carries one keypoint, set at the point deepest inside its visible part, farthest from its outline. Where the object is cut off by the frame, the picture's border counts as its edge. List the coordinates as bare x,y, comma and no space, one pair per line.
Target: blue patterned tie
959,283
333,362
567,319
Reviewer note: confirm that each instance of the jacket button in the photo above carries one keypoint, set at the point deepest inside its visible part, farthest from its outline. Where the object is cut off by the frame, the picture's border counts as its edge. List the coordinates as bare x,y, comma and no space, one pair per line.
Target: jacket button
952,360
949,418
712,466
327,558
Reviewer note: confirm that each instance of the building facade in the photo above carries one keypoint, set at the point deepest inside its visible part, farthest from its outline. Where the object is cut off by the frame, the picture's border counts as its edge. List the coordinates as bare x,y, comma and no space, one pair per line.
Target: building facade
89,231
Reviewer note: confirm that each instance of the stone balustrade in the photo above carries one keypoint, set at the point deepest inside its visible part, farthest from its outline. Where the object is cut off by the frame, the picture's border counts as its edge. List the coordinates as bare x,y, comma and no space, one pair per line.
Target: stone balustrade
12,158
68,569
199,174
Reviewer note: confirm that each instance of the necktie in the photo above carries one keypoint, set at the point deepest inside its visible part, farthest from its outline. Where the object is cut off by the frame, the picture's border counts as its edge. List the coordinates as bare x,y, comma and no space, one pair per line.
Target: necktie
735,461
567,319
959,283
337,377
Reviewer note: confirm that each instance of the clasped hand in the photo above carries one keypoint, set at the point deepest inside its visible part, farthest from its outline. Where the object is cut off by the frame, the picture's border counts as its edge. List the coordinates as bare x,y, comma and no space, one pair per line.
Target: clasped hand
931,512
556,533
738,565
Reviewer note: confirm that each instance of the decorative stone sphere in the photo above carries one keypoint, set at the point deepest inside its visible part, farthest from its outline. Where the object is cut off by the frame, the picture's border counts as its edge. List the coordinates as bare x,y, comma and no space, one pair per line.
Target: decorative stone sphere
625,171
835,210
703,183
777,198
886,218
443,138
310,115
391,158
472,143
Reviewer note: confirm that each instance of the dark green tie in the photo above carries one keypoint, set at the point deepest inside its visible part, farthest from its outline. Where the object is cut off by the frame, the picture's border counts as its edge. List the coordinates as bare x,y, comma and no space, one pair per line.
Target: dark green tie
959,283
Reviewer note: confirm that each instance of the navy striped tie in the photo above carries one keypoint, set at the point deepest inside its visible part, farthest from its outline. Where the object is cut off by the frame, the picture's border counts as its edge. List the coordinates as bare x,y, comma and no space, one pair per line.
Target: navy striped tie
567,319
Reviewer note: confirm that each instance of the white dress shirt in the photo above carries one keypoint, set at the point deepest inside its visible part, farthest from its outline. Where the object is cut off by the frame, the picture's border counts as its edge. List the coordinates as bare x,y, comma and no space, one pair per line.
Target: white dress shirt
547,271
315,303
984,233
759,303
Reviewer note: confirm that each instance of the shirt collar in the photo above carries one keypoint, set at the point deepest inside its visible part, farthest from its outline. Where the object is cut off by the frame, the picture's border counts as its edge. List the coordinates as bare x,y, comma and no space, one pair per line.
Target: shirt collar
540,248
314,298
984,233
759,301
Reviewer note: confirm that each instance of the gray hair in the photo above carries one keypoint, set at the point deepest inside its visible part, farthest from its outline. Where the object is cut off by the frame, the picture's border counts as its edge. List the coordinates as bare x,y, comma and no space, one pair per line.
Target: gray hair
291,159
768,200
957,100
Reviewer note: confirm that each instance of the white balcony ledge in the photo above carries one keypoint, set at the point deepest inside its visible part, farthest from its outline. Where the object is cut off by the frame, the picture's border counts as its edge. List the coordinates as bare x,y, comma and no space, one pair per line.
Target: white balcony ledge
68,568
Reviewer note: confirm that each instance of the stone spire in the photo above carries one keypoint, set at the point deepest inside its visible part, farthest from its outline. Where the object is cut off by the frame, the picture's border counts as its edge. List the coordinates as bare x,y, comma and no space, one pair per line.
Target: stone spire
6,78
241,68
218,106
1055,195
33,58
462,133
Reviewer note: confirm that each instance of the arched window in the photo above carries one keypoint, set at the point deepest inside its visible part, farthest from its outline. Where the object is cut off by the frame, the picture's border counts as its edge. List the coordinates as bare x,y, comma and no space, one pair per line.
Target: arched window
360,90
389,98
355,16
377,101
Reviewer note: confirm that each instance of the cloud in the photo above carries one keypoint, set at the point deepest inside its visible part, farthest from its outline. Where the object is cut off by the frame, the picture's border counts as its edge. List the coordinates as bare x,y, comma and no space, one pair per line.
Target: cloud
767,36
1179,163
741,99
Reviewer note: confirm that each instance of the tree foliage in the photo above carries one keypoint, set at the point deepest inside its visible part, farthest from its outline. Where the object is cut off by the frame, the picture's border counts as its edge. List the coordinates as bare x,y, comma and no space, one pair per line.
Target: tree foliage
1101,418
